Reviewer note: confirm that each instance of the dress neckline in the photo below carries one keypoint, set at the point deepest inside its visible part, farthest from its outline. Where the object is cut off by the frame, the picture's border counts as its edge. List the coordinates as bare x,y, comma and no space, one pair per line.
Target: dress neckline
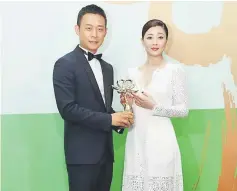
156,70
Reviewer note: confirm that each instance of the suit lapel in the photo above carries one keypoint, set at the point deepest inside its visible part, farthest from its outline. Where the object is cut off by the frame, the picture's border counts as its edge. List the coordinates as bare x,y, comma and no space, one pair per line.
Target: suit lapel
82,59
107,85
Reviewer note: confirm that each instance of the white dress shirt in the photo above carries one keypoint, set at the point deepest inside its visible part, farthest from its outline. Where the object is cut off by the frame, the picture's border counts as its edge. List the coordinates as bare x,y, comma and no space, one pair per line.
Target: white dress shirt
96,68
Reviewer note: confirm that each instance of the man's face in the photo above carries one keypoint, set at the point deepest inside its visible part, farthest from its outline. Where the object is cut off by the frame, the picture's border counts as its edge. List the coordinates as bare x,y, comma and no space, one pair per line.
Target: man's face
91,31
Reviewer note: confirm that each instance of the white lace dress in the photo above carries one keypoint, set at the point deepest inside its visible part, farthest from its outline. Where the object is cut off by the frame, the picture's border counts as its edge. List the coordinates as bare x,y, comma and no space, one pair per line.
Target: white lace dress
152,155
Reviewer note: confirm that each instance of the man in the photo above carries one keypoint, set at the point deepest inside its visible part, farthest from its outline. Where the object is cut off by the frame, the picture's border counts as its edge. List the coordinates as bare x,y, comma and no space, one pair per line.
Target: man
83,91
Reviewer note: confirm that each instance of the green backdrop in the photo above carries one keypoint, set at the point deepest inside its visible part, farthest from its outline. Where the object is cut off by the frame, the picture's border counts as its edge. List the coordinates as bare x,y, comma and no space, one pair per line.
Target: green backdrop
33,160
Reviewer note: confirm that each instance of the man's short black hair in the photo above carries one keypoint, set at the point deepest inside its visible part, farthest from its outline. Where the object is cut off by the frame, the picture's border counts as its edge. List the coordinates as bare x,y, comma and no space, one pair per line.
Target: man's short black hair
94,9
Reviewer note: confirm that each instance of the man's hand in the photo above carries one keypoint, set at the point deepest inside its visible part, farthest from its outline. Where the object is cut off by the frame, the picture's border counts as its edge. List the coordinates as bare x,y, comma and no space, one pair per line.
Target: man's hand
122,119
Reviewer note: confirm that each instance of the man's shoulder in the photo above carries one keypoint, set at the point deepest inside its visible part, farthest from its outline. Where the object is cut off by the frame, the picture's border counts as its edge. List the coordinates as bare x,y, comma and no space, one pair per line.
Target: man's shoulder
68,57
107,64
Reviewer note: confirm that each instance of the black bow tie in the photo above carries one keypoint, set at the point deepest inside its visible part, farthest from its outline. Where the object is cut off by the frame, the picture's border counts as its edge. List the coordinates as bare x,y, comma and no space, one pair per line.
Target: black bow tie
96,56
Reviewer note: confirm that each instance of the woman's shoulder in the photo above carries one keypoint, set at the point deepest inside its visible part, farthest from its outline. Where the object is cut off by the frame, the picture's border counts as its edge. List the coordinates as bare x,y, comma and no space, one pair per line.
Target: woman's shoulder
176,67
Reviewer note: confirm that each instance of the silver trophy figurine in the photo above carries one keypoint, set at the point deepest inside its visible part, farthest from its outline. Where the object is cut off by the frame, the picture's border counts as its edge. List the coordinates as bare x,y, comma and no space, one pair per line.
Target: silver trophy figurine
125,87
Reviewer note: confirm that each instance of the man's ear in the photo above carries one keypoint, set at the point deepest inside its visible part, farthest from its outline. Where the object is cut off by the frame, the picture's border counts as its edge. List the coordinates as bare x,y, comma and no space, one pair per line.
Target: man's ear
106,30
77,29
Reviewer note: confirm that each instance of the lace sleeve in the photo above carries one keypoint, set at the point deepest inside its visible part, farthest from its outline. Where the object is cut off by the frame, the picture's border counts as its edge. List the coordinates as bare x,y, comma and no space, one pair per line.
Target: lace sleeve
179,107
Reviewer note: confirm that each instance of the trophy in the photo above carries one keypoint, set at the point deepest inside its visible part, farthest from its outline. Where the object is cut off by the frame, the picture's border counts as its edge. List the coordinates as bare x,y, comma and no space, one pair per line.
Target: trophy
126,87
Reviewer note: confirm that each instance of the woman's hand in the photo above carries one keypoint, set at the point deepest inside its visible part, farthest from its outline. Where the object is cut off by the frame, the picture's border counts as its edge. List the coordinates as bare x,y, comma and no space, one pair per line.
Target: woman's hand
144,100
129,99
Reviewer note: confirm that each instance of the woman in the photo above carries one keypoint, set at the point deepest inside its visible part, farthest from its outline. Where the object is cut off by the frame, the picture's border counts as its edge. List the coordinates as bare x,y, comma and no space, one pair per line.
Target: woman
152,156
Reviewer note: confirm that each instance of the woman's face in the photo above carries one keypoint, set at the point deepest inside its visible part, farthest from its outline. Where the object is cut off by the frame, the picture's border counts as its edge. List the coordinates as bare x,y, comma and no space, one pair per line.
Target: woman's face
154,41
